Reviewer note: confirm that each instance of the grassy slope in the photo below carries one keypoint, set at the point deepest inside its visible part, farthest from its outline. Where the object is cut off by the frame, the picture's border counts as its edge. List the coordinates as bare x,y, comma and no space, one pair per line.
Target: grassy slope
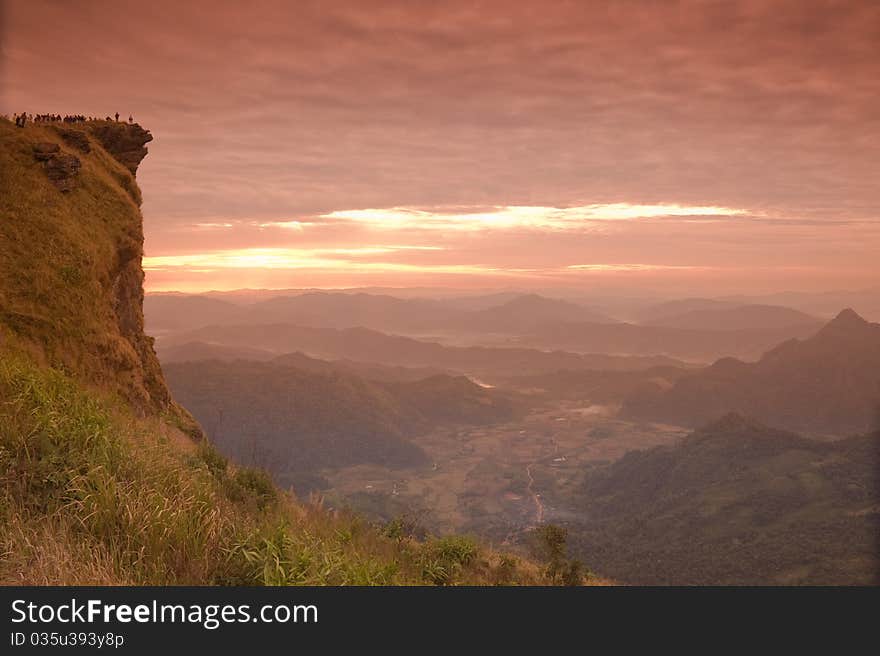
98,484
66,260
89,494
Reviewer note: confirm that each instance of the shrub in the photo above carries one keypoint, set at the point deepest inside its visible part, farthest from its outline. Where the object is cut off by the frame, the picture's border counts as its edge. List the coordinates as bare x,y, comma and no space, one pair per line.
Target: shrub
402,528
505,572
549,543
444,558
213,459
257,484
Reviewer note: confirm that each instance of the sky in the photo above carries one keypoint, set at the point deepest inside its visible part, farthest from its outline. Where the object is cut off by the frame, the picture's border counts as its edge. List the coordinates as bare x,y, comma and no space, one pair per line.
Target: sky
695,146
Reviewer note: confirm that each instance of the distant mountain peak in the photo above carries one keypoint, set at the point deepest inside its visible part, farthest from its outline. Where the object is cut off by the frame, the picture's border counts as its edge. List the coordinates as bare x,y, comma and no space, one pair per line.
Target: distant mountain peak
847,323
732,422
848,317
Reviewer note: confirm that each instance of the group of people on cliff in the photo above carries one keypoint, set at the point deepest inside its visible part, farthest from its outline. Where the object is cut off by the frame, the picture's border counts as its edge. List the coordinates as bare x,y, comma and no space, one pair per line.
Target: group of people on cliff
22,119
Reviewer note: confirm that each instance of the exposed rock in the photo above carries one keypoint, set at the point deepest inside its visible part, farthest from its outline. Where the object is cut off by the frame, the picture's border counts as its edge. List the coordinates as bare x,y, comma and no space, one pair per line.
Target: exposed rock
62,169
45,150
124,141
127,297
82,310
75,139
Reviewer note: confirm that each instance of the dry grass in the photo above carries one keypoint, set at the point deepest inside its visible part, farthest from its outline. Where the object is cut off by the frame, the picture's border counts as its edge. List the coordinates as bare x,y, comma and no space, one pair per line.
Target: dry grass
89,494
63,258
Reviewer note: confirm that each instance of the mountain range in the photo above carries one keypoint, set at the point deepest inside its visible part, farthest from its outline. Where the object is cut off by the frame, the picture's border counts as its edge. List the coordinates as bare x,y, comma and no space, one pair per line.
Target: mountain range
506,313
742,317
735,503
365,345
689,343
296,422
693,329
828,383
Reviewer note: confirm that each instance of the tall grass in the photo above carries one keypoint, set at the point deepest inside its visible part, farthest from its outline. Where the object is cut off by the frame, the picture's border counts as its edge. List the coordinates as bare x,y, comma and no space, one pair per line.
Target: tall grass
89,494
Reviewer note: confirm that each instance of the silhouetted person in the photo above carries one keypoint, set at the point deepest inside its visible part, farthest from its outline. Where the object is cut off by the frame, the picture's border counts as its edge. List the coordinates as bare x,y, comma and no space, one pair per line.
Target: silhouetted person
117,117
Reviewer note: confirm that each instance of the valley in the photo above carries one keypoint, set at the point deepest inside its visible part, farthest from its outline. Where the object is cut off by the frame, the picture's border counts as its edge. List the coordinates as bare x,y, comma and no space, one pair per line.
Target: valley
497,480
652,465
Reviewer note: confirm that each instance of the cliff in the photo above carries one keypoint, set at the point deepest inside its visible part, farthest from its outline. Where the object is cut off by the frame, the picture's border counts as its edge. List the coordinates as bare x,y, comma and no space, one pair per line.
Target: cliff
97,484
71,242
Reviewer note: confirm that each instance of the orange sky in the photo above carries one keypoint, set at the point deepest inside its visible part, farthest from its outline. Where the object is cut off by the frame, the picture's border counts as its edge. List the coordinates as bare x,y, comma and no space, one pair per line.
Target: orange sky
695,146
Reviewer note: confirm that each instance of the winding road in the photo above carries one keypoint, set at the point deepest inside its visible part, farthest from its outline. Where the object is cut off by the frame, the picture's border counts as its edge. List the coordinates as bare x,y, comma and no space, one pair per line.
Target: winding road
539,505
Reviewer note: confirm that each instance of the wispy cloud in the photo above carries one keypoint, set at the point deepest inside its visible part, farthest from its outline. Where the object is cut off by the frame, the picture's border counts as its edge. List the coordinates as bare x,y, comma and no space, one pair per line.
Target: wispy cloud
521,216
616,268
286,225
284,258
211,225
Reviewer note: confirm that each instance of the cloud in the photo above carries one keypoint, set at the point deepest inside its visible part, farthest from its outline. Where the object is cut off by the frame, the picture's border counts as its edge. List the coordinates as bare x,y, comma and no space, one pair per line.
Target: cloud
633,267
286,225
434,123
518,216
278,258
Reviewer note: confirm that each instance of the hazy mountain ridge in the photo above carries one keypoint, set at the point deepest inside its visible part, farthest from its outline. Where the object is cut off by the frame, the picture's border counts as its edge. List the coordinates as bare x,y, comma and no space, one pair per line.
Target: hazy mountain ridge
295,422
365,345
190,351
524,313
822,304
171,312
674,342
742,317
368,370
679,307
827,383
503,313
691,329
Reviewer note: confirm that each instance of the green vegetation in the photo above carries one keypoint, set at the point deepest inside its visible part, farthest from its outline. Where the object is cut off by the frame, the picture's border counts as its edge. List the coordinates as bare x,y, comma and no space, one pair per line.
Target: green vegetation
549,543
735,503
90,495
294,422
443,559
297,422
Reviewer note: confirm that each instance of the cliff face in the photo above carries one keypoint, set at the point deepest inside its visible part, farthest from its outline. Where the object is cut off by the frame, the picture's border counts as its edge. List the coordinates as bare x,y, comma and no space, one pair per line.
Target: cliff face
71,242
71,296
126,142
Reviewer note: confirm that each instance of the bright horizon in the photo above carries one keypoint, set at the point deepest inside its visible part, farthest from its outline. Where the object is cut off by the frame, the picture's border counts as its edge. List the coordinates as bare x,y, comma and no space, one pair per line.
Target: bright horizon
491,146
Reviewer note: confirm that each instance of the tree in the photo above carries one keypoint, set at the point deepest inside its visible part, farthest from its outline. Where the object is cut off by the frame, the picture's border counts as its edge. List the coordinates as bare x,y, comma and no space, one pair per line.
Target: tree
549,543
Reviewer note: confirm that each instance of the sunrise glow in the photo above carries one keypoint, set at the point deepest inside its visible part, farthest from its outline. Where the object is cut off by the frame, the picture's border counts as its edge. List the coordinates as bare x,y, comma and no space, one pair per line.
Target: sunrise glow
521,217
